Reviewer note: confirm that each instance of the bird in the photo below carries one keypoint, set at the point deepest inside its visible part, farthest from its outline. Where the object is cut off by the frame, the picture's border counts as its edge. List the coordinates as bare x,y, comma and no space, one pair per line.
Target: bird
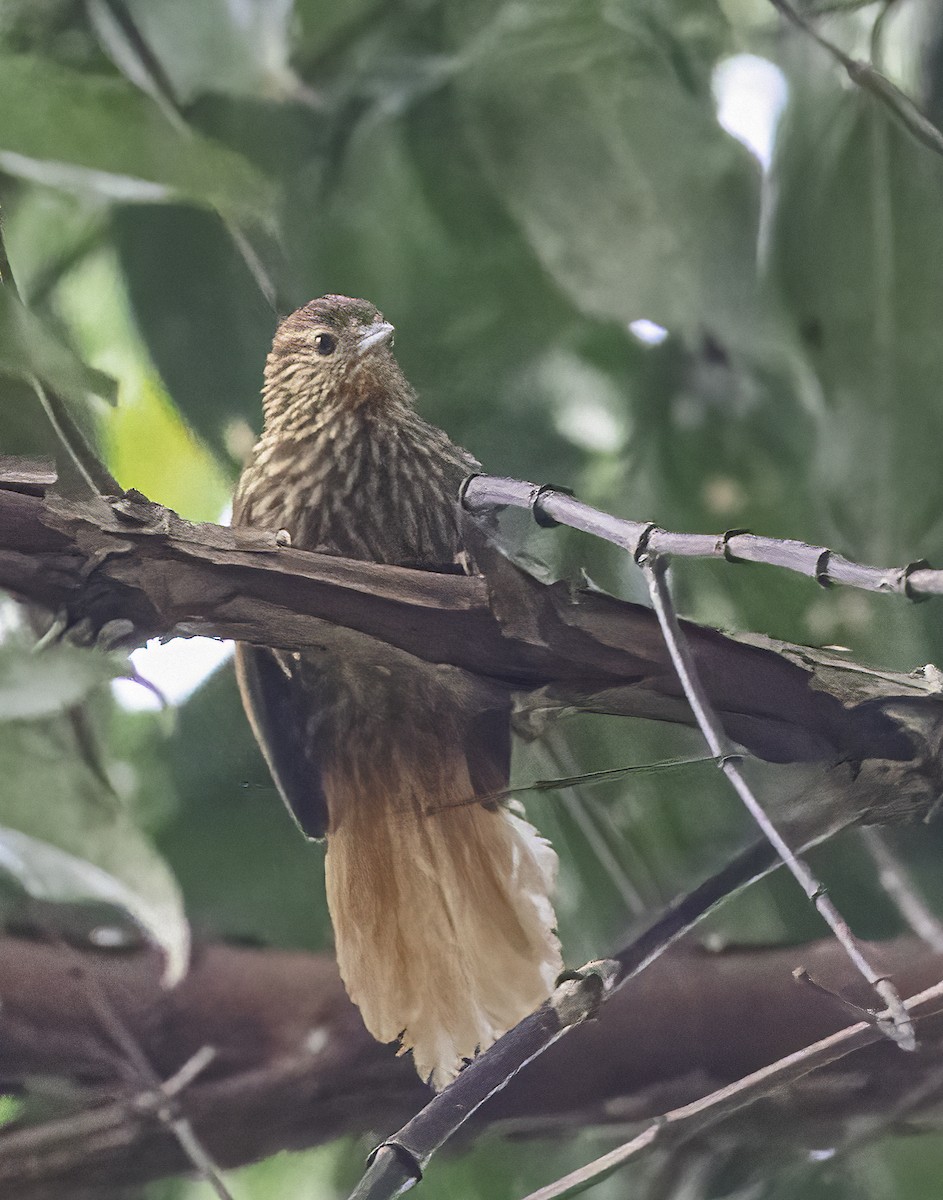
440,896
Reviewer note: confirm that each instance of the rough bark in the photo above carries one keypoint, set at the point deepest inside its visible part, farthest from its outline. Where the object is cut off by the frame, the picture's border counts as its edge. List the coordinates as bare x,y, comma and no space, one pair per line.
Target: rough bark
294,1066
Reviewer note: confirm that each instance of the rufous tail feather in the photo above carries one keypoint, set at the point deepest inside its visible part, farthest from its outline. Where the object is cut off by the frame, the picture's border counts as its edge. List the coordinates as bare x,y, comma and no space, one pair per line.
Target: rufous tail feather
443,922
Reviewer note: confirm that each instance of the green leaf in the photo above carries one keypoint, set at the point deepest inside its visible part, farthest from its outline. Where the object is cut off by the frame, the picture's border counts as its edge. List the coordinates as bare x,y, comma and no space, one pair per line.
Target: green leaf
857,239
46,233
70,129
319,23
29,350
66,835
594,122
205,323
43,682
47,873
238,47
145,441
266,881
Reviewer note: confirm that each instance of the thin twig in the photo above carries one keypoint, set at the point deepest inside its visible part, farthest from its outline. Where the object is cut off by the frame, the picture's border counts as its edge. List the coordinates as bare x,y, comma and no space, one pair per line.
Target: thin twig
654,568
159,1099
801,975
690,1118
195,1065
190,1144
918,1097
583,779
74,441
575,805
870,79
253,261
483,493
894,879
70,436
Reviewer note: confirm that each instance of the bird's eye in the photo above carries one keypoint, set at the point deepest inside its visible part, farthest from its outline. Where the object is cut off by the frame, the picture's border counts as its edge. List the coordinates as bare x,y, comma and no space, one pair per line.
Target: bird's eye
325,344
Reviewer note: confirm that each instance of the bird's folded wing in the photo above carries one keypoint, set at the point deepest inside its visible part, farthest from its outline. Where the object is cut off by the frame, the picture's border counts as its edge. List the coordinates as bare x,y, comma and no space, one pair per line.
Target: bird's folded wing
271,693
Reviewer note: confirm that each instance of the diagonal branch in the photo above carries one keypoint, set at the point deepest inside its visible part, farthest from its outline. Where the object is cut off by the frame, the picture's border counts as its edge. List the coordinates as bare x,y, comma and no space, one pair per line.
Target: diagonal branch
654,569
895,880
871,80
693,1118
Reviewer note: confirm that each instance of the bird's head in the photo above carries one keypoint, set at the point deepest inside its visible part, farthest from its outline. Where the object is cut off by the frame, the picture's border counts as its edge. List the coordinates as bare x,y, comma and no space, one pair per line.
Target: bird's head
334,353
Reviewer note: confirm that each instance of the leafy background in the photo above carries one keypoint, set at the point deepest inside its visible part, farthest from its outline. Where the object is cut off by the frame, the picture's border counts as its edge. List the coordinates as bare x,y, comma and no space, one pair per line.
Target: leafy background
514,182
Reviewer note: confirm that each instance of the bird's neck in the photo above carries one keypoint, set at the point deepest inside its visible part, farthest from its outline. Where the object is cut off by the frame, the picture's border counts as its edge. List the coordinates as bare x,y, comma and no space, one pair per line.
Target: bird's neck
300,410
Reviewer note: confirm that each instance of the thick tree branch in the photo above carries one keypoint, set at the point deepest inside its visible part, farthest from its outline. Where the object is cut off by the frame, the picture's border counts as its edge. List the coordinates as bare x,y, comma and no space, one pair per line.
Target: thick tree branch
137,570
293,1065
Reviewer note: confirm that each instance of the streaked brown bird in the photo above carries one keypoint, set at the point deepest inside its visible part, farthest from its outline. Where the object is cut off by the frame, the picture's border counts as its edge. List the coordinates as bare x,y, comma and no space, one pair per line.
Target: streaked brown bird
441,908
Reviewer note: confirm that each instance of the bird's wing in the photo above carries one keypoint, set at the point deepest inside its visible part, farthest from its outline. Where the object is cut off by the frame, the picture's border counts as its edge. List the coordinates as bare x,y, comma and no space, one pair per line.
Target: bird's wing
278,715
488,751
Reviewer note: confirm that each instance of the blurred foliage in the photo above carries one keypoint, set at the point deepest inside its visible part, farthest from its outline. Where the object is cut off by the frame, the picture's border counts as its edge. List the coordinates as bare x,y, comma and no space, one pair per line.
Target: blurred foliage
70,828
515,183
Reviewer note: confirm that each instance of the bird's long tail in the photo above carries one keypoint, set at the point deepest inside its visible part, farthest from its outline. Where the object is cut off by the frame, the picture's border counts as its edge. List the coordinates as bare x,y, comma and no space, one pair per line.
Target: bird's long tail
443,920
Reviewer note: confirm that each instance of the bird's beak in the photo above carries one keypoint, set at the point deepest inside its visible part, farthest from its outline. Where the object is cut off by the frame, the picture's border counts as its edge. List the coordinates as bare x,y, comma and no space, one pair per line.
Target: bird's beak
380,334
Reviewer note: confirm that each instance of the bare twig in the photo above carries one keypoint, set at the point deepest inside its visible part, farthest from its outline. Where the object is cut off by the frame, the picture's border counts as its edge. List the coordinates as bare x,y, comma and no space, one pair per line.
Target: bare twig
194,1150
575,805
868,77
894,879
483,493
802,975
398,1163
73,440
585,779
654,568
691,1118
191,1070
159,1098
